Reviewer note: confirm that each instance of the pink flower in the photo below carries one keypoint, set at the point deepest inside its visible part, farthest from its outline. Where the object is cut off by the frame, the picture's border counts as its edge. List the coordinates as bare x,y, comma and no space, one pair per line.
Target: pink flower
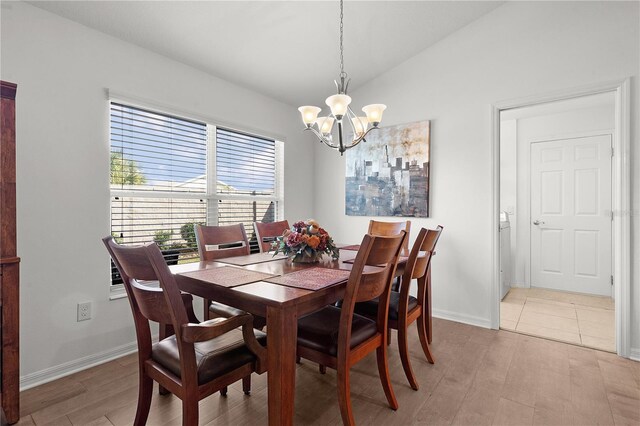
294,239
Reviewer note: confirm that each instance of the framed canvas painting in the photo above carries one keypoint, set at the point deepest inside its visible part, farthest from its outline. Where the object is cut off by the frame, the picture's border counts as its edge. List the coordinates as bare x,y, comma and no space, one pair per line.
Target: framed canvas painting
388,175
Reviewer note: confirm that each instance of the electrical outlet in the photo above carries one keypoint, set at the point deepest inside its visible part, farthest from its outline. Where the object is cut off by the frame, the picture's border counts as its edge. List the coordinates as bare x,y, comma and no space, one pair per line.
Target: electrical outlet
84,311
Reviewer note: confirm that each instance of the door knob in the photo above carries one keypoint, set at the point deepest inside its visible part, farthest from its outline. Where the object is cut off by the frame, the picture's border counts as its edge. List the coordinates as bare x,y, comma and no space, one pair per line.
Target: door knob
538,222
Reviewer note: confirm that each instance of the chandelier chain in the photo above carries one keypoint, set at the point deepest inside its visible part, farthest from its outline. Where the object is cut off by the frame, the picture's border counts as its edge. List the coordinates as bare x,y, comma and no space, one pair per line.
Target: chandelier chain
342,73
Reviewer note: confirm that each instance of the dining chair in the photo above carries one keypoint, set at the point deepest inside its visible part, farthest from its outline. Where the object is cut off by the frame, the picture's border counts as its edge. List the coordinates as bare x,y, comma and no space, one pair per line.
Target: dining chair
391,228
338,337
266,232
405,309
217,242
201,358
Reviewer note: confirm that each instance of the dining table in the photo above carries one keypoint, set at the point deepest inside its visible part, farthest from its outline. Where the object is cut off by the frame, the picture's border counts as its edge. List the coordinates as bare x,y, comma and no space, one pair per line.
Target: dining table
281,301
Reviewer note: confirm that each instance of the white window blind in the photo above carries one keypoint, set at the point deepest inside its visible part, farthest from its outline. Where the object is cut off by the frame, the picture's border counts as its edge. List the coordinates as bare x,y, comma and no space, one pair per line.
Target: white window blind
246,175
158,181
163,181
157,152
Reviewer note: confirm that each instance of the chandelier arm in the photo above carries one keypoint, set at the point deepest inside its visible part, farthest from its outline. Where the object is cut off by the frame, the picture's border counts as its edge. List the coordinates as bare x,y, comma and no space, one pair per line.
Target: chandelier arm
351,115
360,139
322,138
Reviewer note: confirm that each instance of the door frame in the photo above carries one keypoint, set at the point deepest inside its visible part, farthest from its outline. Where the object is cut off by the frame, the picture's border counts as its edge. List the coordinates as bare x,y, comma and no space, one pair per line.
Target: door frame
621,198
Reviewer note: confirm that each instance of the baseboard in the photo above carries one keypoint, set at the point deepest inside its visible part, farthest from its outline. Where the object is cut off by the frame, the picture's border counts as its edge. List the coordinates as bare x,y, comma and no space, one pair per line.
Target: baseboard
634,354
520,285
463,318
58,371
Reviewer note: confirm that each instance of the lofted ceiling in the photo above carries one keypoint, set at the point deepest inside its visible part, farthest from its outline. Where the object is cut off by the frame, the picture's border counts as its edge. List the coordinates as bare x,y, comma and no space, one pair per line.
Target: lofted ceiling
287,50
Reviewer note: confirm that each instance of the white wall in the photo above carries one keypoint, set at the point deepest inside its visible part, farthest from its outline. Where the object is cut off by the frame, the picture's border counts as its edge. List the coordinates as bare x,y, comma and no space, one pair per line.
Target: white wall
519,49
514,164
62,69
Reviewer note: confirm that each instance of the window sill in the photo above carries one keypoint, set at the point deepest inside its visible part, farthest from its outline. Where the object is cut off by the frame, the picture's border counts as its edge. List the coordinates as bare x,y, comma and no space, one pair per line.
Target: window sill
117,292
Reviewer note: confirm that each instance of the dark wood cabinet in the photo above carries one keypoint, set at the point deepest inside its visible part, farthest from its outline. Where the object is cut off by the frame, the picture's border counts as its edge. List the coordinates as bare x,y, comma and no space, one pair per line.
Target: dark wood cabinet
9,260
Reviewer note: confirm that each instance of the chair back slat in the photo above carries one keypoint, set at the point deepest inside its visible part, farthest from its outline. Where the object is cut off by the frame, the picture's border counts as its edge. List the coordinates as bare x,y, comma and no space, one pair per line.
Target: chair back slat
387,229
383,254
221,236
377,252
151,302
371,285
427,244
269,231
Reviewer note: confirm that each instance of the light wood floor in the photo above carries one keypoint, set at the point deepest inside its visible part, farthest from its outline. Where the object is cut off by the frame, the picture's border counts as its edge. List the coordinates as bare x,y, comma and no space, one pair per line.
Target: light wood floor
480,377
580,319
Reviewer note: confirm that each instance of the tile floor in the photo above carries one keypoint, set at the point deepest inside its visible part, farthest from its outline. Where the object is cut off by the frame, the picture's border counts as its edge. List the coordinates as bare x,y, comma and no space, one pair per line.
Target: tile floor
580,319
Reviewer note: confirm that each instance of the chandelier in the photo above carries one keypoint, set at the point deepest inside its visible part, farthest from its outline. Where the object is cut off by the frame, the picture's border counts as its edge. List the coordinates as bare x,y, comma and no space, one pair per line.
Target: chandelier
341,112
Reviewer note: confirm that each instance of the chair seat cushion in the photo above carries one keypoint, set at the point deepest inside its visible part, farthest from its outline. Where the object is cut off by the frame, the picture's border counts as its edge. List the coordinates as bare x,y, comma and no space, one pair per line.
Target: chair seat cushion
370,308
319,330
214,357
225,311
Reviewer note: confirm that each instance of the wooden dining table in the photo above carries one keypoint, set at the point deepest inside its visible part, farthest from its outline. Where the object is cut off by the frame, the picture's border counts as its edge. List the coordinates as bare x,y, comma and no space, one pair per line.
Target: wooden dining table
281,305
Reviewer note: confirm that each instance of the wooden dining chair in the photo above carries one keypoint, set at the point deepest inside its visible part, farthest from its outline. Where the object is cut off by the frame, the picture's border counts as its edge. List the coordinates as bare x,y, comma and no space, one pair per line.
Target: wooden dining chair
405,309
200,358
338,338
217,242
267,232
391,228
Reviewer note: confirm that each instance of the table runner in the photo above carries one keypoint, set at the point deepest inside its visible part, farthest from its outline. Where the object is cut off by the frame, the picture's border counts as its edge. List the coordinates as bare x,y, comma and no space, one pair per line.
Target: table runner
251,259
400,259
228,276
312,278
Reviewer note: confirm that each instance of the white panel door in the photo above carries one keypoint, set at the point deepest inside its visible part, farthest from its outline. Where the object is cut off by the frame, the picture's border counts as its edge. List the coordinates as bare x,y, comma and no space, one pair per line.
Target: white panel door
571,214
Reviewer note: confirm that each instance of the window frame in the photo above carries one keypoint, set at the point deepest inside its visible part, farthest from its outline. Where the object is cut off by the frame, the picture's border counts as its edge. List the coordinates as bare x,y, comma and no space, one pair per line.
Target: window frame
211,196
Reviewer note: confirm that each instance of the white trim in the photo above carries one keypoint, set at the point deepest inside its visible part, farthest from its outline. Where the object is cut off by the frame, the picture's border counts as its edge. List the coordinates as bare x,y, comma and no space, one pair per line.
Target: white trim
212,175
143,193
117,292
280,180
58,371
141,102
576,135
463,318
634,354
621,199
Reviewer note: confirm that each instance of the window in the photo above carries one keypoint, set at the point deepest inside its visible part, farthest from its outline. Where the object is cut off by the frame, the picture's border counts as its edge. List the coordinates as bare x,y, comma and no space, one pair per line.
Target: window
245,180
170,173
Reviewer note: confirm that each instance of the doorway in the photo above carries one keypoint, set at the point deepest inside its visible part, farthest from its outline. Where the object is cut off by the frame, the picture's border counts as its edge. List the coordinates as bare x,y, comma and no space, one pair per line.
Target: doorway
559,254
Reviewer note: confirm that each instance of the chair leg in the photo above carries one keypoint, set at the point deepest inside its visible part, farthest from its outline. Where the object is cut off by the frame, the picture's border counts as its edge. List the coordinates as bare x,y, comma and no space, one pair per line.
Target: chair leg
322,369
207,313
424,341
383,371
344,396
403,347
190,411
145,392
246,385
426,309
223,391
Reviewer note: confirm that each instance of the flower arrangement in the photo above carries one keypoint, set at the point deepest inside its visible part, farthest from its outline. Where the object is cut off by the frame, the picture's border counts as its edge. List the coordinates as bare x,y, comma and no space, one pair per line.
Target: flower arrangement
305,242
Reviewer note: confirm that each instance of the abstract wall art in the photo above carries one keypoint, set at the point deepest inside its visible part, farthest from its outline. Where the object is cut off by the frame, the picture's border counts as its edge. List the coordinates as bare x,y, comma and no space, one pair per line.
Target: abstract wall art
388,175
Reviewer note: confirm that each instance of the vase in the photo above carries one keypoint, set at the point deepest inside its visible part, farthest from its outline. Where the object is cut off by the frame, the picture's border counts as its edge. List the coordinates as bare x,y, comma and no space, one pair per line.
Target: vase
305,258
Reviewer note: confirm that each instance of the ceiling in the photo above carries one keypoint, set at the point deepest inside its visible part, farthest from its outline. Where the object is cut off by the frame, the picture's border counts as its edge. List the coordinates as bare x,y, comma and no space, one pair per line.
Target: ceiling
287,50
